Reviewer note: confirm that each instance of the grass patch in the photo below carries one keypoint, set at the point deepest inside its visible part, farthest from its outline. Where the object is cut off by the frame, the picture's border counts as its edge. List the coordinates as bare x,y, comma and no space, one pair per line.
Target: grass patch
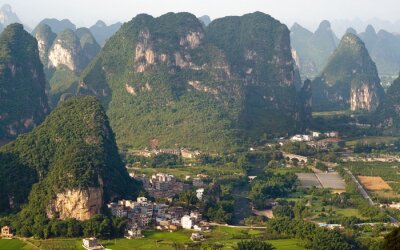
13,244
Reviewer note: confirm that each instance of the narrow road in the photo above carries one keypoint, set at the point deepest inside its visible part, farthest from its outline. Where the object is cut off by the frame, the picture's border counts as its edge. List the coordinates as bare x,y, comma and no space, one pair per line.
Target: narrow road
360,188
366,195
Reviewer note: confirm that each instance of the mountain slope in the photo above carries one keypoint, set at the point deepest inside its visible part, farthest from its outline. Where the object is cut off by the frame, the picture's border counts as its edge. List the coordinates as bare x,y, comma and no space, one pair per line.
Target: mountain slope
69,165
23,102
166,81
349,80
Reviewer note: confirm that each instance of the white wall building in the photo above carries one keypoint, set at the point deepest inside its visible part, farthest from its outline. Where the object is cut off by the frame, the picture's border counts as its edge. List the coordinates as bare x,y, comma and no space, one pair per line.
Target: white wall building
187,222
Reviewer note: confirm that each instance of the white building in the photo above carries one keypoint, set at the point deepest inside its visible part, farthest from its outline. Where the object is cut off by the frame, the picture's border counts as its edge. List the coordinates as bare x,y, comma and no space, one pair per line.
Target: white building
200,193
134,233
300,138
187,222
315,134
91,244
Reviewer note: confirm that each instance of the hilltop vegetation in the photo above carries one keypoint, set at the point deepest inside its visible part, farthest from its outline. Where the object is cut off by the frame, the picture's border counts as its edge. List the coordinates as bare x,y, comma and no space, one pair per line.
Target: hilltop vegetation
23,102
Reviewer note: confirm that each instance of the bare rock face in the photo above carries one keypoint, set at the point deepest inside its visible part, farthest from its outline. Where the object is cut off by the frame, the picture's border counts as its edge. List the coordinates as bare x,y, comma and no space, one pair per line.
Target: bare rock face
77,204
364,98
59,55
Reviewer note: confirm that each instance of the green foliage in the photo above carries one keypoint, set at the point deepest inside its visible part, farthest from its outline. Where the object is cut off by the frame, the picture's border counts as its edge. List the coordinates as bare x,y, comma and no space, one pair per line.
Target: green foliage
316,238
254,245
269,186
165,160
392,240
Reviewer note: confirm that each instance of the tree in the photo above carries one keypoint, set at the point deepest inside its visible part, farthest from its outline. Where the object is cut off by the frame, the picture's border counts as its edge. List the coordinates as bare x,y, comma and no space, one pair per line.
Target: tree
254,245
392,240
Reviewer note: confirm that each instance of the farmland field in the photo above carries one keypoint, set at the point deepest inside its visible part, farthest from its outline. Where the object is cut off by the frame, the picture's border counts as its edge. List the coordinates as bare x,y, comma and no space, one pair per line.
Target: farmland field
331,180
161,240
373,183
388,171
308,180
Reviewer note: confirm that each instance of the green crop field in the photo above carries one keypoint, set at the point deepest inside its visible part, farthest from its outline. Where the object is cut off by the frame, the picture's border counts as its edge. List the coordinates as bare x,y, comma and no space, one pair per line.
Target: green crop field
58,244
14,244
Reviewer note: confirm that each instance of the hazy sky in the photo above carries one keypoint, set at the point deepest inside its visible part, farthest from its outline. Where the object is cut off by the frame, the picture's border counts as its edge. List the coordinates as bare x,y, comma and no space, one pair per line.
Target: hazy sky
86,12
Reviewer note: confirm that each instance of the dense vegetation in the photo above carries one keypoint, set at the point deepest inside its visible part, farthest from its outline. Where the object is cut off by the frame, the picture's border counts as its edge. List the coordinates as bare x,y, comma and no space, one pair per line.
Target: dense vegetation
315,237
74,148
23,102
269,186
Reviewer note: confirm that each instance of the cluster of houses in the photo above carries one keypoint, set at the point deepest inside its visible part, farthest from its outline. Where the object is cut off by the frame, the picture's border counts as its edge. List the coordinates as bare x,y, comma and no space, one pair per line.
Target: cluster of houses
314,135
163,185
142,214
184,153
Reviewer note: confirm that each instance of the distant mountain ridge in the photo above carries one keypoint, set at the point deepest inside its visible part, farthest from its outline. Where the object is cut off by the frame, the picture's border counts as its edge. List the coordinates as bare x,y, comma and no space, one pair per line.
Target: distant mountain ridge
313,49
102,32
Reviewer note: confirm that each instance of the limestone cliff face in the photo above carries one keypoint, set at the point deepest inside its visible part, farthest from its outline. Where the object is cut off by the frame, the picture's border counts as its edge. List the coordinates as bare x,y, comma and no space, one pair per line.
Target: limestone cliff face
65,51
45,38
71,49
79,204
364,97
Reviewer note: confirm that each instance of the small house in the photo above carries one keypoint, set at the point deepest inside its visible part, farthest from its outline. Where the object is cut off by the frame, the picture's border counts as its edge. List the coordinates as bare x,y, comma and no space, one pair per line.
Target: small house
6,232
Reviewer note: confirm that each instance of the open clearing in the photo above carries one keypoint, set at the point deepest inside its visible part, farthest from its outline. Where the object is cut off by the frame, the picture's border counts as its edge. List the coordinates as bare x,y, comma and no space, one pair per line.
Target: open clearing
308,180
374,183
322,180
331,180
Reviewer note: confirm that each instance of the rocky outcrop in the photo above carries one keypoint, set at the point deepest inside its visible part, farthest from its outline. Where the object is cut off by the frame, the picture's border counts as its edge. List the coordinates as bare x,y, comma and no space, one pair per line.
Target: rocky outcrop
80,204
364,97
45,38
65,51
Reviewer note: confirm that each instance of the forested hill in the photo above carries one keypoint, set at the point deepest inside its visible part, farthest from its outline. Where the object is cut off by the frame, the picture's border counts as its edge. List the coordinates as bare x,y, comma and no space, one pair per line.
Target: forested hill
69,165
169,82
23,102
349,81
